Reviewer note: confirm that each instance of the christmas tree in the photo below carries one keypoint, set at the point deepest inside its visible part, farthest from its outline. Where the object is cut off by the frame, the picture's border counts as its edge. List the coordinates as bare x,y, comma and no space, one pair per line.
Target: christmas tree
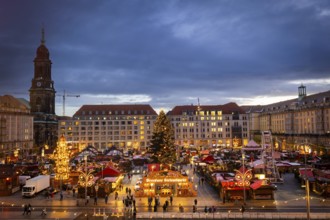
162,143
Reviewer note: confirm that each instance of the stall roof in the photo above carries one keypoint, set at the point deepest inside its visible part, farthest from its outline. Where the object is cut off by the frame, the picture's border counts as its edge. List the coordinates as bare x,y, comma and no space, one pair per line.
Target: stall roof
208,159
109,172
205,152
258,164
252,143
256,185
110,179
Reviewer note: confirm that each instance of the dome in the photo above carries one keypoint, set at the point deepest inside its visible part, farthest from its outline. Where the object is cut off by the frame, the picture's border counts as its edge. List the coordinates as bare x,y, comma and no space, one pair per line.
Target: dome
42,52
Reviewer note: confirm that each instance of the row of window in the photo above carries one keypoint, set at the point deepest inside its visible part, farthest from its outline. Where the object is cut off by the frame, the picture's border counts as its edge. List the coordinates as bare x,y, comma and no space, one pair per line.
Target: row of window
192,136
204,124
103,138
105,133
116,112
103,123
107,118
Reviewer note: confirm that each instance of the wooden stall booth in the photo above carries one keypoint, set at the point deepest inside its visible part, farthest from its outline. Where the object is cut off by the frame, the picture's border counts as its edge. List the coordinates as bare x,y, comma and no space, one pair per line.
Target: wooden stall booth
166,183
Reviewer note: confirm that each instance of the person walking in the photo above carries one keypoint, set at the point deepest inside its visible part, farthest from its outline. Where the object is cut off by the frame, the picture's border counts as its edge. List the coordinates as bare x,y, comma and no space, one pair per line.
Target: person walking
171,199
87,200
134,213
106,198
29,210
61,196
25,209
180,208
243,209
43,212
95,200
194,208
195,201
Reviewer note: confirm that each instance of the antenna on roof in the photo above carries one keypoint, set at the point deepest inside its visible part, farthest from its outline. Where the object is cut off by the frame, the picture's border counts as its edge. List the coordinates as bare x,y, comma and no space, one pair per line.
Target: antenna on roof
43,35
198,105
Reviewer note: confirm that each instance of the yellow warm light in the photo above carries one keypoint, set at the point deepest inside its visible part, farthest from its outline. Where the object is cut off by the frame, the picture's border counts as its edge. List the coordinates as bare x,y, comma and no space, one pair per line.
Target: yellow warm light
61,156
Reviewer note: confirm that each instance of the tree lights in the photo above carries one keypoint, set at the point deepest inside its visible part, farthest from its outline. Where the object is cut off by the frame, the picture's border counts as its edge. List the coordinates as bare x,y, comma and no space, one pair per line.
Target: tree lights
162,143
61,156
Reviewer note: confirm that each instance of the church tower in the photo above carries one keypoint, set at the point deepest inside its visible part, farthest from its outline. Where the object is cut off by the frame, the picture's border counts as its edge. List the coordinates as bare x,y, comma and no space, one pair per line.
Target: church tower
42,99
301,92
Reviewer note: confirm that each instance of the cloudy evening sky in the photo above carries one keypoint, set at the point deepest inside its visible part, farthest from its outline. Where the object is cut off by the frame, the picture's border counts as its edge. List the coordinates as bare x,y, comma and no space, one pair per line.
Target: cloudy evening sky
167,52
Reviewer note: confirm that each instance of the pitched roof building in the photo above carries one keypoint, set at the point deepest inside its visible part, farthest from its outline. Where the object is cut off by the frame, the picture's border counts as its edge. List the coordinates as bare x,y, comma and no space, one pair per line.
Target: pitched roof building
209,125
303,120
16,129
102,126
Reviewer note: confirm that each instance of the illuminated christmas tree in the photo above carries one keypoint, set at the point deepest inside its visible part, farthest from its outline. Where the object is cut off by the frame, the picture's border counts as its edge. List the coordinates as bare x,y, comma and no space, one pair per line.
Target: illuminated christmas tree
61,157
162,143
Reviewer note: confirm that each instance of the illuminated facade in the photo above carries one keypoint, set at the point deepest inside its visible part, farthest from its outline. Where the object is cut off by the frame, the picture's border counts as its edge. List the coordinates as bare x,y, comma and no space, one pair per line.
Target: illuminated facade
16,129
305,119
101,126
209,126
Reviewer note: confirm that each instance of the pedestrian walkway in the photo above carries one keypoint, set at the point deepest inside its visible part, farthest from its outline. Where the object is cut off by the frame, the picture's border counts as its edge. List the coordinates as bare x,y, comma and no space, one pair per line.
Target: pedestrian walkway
36,215
232,215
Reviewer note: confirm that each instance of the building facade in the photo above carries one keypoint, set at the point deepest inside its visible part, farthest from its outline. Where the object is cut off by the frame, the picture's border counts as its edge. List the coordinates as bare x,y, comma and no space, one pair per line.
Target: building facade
42,100
16,129
209,126
102,126
304,120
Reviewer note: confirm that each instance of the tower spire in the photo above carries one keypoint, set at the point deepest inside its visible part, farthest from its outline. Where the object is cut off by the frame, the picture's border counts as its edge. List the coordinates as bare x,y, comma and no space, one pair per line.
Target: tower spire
43,35
198,106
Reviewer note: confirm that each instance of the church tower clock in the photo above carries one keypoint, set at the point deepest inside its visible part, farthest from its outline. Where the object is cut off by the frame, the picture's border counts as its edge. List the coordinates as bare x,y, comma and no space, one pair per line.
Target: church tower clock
42,99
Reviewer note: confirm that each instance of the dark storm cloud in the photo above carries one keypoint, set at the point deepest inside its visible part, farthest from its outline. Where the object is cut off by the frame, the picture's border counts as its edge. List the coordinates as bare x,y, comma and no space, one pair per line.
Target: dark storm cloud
169,53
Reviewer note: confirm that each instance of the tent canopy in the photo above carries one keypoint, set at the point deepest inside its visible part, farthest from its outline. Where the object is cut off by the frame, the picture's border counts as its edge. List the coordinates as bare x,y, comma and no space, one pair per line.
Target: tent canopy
252,143
108,172
208,159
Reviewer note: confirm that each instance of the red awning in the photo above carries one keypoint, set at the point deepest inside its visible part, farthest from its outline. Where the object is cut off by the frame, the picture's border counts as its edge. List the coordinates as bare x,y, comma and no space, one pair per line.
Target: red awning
108,172
256,185
308,173
153,167
208,159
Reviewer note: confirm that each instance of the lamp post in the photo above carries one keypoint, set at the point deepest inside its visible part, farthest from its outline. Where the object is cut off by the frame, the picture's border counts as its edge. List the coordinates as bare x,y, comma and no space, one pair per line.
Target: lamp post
85,158
86,178
96,189
244,195
102,170
243,178
306,150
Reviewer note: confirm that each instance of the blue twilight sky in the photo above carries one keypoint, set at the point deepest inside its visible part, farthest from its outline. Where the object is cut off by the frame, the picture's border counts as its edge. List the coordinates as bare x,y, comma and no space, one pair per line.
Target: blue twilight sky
168,52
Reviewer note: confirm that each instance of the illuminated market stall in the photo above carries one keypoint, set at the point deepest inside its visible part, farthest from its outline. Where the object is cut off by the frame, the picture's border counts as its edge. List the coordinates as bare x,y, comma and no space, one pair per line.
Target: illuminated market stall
166,183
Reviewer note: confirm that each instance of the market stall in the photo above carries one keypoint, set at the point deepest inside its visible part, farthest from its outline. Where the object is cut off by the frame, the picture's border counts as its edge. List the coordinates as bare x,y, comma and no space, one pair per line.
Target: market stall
166,183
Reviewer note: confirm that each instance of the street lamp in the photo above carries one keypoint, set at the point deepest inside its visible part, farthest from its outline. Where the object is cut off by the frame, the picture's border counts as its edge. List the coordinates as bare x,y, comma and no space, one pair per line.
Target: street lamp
244,195
306,150
96,189
86,178
243,178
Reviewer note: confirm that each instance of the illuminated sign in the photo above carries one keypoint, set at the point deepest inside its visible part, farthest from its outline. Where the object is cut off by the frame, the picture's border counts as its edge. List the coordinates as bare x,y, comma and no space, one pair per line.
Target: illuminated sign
166,180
